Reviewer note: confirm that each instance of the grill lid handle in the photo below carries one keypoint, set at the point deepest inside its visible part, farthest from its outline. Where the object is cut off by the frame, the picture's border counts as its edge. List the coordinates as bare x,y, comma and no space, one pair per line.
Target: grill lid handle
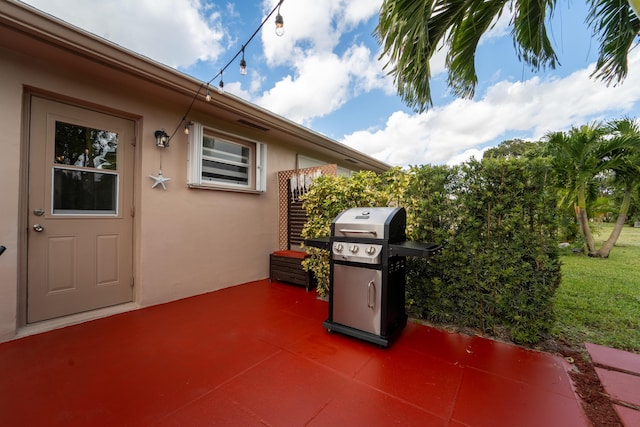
350,231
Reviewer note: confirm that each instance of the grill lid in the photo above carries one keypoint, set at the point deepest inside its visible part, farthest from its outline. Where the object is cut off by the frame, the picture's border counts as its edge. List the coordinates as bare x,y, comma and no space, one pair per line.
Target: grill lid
371,223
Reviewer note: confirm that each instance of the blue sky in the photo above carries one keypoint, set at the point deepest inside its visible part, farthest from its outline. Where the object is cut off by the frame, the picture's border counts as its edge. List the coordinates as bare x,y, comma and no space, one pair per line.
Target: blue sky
324,73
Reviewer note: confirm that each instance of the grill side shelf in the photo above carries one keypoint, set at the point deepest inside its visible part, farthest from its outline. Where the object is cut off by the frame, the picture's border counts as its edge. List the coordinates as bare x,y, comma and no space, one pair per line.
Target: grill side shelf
318,242
419,249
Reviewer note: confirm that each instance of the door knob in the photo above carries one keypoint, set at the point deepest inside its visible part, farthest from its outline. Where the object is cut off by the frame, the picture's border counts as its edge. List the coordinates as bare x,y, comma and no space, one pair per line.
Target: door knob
38,227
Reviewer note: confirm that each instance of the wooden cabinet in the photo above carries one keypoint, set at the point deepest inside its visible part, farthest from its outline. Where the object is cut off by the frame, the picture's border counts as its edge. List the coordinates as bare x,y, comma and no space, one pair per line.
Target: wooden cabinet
286,266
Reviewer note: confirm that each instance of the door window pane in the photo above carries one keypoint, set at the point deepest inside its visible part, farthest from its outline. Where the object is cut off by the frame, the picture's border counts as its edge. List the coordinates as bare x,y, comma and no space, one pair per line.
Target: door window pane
82,179
84,192
85,147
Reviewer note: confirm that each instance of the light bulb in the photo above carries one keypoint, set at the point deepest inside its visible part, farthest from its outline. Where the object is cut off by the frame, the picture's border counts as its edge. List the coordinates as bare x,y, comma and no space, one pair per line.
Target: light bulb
279,25
221,87
208,96
186,129
243,64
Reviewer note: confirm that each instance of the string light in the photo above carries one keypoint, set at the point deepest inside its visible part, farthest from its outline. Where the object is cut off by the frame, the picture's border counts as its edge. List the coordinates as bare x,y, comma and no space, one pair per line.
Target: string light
243,67
243,64
279,23
221,85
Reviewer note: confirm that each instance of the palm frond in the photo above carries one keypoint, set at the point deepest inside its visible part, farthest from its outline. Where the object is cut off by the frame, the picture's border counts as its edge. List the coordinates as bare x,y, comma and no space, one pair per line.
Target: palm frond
408,42
410,32
530,37
616,26
463,43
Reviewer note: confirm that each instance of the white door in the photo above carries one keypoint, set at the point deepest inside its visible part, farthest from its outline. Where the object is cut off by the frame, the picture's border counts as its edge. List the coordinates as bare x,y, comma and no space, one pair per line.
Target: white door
80,208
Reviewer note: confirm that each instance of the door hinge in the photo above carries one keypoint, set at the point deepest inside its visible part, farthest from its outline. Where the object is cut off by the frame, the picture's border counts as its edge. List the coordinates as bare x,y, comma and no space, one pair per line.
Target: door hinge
132,281
133,211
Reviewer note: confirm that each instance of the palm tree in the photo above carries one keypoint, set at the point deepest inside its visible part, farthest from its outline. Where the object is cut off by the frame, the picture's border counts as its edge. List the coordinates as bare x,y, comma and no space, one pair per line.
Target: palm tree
626,174
584,153
411,31
574,158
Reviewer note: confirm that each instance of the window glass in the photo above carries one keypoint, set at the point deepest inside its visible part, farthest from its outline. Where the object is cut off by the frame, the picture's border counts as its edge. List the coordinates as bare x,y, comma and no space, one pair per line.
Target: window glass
84,192
225,162
85,147
85,164
222,161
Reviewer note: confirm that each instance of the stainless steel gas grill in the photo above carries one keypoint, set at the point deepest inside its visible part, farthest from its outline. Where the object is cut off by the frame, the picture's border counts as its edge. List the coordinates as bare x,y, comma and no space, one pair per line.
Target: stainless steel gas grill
367,285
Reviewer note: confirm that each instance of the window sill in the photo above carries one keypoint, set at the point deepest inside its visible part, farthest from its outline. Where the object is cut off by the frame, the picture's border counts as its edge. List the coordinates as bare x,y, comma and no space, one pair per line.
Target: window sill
221,188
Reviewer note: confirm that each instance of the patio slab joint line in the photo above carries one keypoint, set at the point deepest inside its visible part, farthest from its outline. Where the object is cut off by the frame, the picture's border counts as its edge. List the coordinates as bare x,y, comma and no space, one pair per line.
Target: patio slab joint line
400,399
217,387
622,403
616,369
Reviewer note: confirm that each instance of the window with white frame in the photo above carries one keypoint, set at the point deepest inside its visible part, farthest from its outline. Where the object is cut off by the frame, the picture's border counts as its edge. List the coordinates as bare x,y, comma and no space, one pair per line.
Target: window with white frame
219,160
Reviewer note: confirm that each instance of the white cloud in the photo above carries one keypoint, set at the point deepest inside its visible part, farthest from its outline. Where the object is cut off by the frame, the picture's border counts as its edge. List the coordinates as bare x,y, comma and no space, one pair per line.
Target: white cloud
320,87
177,33
454,132
324,82
366,71
357,11
236,89
321,78
313,25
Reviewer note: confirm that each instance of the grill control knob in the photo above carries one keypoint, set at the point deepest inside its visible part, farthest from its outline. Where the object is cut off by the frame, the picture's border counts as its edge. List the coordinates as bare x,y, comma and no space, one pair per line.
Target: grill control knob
339,247
371,250
354,249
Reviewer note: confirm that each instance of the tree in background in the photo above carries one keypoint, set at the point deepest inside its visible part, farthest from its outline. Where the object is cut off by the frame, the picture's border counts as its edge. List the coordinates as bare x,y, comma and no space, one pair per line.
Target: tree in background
513,148
626,174
582,155
411,31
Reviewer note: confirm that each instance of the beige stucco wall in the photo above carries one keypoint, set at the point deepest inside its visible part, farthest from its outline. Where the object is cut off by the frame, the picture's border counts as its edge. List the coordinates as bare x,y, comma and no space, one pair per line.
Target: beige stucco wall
187,241
10,122
204,239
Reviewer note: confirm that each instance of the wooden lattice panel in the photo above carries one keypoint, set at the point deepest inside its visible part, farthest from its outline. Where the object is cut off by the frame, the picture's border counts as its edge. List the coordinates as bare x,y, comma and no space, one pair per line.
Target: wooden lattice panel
284,197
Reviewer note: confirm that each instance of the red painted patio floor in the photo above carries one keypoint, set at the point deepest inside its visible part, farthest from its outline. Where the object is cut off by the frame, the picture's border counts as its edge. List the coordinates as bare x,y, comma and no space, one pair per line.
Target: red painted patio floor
619,373
257,355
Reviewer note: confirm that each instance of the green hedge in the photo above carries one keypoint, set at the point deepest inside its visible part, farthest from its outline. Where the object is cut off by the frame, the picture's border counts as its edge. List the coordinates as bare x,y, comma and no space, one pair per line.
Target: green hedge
499,268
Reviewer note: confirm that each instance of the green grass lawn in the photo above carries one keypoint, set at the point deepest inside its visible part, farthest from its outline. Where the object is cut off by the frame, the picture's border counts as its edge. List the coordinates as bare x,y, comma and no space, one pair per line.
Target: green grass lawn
598,300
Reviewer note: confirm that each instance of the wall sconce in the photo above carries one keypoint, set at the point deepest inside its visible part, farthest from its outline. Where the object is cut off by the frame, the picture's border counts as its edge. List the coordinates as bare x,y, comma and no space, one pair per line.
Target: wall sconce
162,139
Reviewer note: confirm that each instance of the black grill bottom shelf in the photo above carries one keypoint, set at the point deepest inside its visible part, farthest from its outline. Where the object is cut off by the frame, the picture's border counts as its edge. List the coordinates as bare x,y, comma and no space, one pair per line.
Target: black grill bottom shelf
382,340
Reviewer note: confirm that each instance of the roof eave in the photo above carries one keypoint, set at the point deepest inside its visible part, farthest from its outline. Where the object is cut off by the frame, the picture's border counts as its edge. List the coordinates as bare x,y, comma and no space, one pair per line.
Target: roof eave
51,30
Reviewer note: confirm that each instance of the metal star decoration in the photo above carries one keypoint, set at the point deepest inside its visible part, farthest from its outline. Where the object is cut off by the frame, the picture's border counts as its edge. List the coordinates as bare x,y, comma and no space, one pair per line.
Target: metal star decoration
159,180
